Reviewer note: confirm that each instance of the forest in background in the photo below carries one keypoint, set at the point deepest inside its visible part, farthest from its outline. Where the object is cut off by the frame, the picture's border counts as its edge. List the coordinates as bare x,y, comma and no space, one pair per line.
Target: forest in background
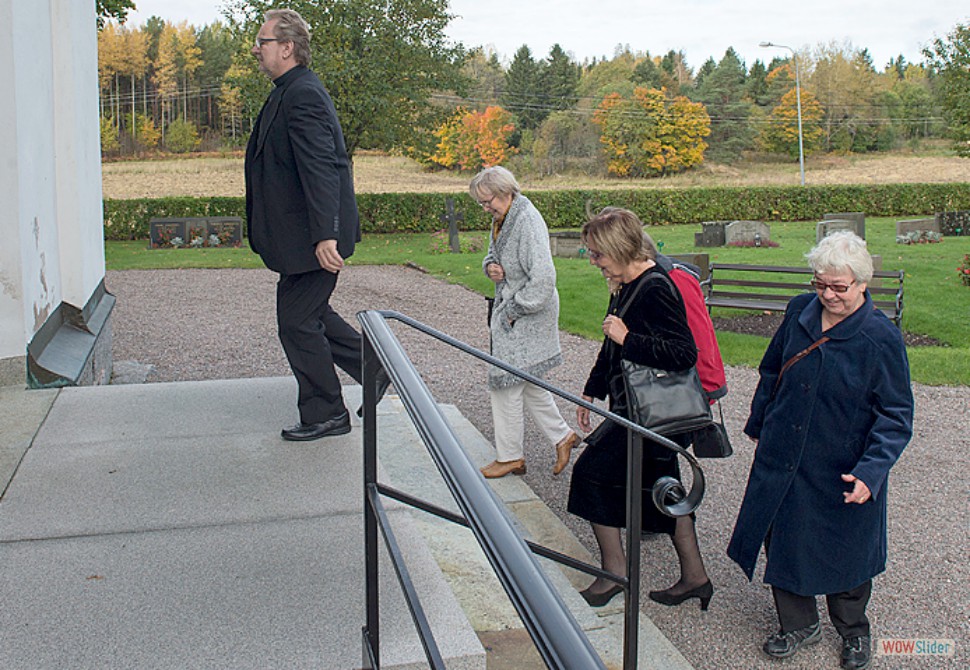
400,87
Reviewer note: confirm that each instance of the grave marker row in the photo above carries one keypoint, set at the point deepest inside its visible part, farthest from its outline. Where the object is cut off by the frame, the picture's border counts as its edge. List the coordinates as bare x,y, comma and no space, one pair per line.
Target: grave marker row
227,229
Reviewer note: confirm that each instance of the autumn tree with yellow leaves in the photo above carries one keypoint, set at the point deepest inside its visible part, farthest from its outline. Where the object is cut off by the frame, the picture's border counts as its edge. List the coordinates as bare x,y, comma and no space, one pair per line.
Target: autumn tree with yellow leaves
779,132
651,135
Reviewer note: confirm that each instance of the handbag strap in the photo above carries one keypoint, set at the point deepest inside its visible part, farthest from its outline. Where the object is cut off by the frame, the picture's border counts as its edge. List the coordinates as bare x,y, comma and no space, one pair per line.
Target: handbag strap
797,357
636,289
720,411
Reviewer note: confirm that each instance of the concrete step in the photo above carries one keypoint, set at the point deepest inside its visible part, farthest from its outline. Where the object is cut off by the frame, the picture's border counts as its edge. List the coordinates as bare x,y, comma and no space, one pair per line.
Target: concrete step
408,467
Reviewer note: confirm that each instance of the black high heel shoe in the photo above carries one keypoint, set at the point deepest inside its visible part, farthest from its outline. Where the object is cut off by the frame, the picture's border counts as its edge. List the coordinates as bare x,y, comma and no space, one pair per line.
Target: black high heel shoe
704,593
600,599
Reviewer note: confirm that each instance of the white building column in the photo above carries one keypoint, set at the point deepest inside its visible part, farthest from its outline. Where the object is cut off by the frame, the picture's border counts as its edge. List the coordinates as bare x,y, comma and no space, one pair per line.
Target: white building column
54,313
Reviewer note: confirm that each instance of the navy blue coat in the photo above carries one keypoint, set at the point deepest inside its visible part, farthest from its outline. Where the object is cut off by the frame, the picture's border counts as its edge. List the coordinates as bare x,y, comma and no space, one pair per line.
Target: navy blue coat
846,408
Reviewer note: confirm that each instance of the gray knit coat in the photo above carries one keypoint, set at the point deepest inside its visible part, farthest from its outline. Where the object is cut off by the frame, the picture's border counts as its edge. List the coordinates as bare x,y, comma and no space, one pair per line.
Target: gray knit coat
525,317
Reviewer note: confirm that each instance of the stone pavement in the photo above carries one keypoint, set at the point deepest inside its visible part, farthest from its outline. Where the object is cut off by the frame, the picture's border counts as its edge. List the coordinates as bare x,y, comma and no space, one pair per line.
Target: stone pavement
168,526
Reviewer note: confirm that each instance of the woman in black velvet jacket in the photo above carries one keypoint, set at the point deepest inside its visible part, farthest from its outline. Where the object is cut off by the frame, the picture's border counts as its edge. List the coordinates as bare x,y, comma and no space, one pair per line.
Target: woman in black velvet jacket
653,331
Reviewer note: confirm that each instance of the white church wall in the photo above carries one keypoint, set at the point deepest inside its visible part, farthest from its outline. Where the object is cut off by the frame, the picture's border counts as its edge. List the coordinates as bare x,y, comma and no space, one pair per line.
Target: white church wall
51,240
80,218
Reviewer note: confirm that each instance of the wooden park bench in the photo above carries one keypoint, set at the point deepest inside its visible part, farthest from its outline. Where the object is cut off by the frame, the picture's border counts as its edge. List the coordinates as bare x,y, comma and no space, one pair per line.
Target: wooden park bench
769,288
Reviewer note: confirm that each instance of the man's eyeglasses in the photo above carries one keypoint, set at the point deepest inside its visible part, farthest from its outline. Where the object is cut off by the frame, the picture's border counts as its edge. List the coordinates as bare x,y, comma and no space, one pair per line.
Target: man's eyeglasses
260,41
820,286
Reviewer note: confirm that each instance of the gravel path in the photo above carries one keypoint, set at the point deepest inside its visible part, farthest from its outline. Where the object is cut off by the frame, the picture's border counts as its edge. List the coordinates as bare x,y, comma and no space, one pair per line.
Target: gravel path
220,324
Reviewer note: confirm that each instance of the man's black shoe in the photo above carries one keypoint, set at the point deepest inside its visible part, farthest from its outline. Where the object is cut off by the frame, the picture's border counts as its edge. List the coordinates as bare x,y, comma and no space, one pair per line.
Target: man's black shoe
856,652
783,645
303,432
383,381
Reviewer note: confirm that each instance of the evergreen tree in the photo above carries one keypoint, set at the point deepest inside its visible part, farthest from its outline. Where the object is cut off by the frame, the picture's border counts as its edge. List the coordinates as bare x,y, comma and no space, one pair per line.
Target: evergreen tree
560,79
724,95
705,69
756,86
647,73
524,94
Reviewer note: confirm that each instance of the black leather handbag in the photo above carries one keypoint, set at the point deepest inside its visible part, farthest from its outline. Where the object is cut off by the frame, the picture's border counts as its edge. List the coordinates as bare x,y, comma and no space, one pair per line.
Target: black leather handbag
712,441
666,402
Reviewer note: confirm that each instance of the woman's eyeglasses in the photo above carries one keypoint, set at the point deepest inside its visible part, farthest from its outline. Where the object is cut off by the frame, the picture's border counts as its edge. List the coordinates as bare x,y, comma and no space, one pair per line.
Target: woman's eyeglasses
487,203
820,286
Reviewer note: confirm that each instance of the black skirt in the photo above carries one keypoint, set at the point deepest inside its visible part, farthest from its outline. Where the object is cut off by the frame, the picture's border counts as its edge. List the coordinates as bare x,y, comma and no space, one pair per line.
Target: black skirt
597,491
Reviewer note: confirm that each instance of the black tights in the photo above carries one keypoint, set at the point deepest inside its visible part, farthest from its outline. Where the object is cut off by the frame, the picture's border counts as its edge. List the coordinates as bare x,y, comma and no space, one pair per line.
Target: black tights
612,558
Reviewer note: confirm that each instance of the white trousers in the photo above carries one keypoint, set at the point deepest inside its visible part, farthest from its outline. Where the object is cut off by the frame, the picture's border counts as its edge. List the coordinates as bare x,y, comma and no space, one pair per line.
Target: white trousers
509,418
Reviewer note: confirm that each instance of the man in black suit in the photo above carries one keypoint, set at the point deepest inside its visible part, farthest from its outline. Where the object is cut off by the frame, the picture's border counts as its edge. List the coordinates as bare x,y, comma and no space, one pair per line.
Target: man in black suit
302,221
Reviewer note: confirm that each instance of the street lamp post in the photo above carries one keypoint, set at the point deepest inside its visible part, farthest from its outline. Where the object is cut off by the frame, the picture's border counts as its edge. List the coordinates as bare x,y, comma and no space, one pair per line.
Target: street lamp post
798,98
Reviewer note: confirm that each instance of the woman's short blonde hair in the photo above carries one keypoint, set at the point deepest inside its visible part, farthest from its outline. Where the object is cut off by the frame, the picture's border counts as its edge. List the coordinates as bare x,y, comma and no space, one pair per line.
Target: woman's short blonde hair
491,181
841,251
618,233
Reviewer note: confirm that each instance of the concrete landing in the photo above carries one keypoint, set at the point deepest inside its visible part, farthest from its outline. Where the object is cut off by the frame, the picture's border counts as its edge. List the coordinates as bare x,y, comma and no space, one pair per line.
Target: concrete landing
169,526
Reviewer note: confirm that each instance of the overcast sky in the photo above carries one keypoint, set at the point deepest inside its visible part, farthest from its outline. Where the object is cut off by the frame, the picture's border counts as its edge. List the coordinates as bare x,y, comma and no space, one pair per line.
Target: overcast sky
699,28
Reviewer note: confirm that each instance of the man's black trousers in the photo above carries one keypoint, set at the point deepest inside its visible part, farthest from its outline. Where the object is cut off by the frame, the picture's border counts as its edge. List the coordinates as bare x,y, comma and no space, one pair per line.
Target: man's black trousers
315,339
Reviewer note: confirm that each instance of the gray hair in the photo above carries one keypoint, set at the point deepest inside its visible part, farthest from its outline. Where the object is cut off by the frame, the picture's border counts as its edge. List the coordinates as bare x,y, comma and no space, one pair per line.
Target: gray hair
494,181
841,251
290,27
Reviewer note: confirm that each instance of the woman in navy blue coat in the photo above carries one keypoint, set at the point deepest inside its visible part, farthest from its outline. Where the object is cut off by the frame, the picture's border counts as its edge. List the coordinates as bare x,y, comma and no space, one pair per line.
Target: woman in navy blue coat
831,415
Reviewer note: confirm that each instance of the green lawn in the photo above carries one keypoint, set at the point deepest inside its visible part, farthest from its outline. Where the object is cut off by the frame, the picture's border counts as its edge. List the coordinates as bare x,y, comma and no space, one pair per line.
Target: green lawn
936,303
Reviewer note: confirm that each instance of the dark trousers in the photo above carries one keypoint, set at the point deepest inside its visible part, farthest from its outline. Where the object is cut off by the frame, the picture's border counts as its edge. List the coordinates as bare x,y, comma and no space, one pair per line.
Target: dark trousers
315,339
847,610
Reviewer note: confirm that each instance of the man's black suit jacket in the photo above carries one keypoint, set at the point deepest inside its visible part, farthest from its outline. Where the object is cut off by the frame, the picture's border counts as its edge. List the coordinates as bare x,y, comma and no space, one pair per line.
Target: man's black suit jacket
299,188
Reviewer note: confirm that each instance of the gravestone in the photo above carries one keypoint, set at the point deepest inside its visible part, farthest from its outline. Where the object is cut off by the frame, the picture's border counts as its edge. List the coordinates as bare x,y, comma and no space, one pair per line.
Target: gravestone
857,218
163,230
954,223
825,228
711,235
702,261
747,233
451,217
917,225
227,228
566,244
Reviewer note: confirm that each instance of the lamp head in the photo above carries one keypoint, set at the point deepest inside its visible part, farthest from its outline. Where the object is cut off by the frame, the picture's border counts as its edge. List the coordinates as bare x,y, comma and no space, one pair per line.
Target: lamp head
766,44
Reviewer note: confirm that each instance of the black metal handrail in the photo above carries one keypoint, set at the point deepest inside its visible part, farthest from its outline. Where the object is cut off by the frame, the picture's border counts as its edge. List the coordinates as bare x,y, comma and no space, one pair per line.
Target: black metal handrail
557,636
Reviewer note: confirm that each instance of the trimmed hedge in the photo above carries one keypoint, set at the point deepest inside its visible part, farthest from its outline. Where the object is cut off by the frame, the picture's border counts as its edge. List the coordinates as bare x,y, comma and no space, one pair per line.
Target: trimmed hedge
422,212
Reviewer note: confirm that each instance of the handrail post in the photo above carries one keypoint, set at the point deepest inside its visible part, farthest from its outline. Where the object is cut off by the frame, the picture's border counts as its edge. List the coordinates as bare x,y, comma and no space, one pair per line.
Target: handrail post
371,632
634,520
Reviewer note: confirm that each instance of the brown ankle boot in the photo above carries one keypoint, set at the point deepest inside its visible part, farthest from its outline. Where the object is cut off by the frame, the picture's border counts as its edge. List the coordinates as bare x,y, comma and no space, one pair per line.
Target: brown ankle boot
496,469
563,450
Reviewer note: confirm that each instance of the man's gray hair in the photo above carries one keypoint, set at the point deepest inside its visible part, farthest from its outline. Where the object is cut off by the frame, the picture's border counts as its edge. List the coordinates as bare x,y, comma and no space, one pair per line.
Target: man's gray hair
290,27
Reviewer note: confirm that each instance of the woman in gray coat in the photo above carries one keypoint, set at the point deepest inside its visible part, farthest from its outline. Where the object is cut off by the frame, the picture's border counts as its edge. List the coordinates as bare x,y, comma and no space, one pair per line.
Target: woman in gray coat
525,322
831,415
